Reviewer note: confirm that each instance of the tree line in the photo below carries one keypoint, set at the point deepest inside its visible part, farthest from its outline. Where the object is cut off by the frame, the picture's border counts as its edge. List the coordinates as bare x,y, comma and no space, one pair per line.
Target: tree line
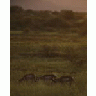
45,20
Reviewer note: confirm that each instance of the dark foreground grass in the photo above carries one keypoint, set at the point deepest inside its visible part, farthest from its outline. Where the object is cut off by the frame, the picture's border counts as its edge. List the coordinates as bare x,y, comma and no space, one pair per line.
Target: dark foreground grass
43,89
47,89
42,66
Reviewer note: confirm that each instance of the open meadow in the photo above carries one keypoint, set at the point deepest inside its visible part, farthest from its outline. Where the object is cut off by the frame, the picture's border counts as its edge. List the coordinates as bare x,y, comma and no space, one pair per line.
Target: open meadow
48,53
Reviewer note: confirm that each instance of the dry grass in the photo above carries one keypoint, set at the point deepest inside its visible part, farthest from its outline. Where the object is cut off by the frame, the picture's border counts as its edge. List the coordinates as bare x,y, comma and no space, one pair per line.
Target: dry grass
38,56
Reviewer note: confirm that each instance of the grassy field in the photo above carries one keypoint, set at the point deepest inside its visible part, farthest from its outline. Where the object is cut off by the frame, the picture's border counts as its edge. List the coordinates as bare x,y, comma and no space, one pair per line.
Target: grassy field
48,53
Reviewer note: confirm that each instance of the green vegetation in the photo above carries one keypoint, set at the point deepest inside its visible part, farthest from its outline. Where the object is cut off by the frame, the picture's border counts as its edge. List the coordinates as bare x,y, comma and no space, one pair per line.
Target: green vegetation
46,20
48,54
40,47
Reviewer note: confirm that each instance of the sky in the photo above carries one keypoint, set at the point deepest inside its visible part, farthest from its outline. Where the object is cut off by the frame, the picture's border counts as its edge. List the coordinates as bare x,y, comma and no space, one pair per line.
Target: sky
75,5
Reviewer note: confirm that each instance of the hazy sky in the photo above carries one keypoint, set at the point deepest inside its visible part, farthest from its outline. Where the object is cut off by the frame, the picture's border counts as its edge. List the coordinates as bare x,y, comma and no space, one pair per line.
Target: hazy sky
75,5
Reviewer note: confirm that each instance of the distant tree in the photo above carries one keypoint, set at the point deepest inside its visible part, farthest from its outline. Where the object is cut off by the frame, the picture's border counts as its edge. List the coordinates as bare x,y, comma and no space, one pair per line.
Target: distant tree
27,21
29,12
55,13
56,23
67,14
44,13
16,9
16,16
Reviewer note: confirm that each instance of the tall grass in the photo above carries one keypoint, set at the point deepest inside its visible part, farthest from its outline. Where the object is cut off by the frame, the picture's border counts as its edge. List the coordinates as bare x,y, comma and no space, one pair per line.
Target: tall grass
42,54
42,89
